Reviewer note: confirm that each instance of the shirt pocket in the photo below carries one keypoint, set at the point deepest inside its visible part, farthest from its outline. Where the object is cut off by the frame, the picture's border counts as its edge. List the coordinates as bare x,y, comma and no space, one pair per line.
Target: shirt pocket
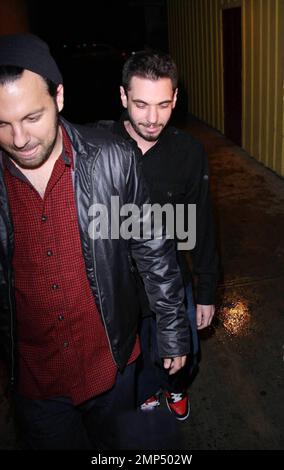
167,192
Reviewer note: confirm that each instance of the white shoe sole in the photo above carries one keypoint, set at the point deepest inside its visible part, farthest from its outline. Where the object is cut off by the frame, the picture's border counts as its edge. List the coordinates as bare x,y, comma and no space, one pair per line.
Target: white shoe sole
175,416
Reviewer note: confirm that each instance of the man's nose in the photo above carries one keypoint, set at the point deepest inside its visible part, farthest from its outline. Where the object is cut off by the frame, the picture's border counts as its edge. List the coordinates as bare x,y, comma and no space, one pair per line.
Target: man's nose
20,137
152,115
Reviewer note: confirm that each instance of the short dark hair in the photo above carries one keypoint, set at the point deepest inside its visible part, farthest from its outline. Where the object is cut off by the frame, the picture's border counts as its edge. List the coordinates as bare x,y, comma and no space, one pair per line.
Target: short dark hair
151,64
11,73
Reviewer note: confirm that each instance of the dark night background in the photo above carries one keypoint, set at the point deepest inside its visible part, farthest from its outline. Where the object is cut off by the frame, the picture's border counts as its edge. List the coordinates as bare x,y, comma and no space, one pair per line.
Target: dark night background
92,81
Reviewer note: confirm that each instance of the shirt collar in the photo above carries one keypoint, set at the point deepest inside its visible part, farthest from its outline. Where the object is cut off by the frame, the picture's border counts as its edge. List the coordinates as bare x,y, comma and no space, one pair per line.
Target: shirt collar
121,127
67,153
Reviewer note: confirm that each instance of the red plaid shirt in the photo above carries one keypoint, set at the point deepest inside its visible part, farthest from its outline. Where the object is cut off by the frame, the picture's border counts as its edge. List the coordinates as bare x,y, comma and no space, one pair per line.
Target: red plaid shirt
63,347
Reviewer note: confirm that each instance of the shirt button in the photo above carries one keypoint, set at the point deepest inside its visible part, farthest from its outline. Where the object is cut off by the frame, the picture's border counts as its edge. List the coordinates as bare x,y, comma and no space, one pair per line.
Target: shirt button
55,286
49,253
65,344
60,317
43,218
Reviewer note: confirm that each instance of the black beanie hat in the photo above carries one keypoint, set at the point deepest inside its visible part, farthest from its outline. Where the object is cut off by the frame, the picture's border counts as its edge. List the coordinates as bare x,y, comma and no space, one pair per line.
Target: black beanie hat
29,52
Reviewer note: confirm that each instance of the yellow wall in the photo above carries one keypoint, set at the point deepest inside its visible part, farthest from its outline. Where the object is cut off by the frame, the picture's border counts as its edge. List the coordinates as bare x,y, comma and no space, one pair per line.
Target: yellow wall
195,38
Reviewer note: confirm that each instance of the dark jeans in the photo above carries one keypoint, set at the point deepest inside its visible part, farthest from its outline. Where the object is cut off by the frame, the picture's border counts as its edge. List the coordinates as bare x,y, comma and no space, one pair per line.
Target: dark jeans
151,375
57,424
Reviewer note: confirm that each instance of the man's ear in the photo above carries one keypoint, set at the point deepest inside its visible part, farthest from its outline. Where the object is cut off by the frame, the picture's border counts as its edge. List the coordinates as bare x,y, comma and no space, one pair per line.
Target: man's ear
123,97
175,97
60,97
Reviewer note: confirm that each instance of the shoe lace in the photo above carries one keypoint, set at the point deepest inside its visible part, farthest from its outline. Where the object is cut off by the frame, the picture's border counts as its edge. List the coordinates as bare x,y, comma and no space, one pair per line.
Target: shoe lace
151,402
176,397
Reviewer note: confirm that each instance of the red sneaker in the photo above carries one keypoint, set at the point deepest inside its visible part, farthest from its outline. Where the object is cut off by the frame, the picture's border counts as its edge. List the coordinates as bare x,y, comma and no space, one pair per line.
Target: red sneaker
151,403
178,404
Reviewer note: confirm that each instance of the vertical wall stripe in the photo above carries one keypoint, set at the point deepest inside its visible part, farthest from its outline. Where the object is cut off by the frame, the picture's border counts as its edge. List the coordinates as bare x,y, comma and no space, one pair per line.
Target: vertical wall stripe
181,48
211,79
252,84
272,83
260,94
220,35
247,82
207,63
194,58
188,55
199,96
276,84
280,113
215,63
184,58
268,97
282,153
255,77
201,61
191,53
196,39
244,77
191,90
264,75
218,69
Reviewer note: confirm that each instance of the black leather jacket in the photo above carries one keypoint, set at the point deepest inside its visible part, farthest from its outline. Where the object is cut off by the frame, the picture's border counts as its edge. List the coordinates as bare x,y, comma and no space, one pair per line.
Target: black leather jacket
106,165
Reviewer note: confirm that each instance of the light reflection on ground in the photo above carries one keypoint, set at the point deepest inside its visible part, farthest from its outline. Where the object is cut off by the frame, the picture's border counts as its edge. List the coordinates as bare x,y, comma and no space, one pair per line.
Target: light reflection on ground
236,318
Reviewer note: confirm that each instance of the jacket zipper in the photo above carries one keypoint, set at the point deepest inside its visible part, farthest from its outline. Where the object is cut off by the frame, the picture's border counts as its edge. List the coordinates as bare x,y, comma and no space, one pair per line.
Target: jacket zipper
95,272
12,375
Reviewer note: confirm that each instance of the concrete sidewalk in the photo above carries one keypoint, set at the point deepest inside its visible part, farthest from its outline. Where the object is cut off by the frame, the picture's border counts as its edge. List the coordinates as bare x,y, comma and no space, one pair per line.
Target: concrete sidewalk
237,396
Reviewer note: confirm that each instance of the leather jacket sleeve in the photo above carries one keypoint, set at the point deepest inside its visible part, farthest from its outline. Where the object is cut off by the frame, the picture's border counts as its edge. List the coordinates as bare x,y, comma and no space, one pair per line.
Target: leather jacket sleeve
156,261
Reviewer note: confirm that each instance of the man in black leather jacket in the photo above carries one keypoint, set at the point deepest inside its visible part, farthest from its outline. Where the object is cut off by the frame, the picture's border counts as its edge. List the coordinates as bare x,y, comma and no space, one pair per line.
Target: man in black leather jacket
69,309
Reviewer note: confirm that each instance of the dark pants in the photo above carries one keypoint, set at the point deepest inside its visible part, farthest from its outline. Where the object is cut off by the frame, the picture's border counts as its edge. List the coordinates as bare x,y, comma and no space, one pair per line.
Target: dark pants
151,375
57,424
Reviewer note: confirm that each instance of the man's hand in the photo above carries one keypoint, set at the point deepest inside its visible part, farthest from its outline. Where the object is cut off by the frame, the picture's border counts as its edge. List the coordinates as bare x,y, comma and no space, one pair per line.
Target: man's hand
204,315
173,364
